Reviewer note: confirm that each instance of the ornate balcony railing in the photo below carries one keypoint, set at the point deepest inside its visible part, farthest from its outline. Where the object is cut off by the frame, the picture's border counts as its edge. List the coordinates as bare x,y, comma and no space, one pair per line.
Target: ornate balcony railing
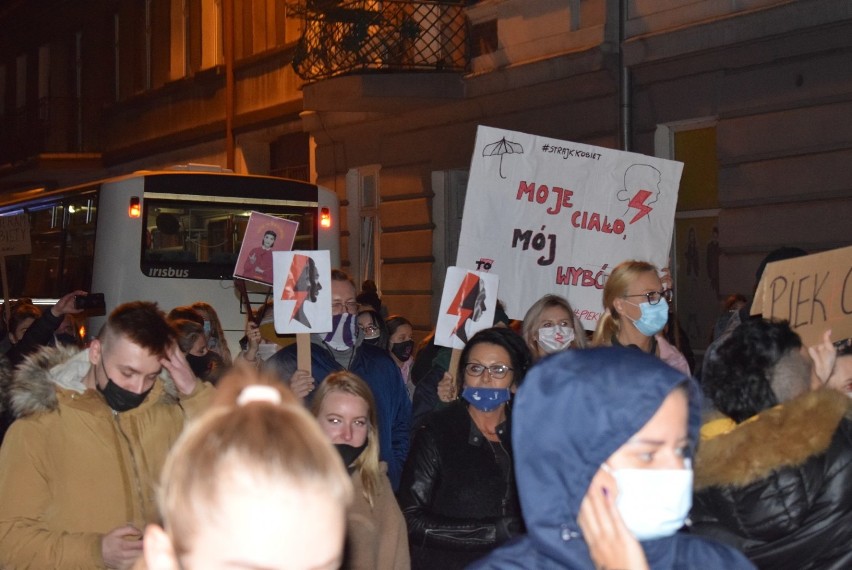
345,37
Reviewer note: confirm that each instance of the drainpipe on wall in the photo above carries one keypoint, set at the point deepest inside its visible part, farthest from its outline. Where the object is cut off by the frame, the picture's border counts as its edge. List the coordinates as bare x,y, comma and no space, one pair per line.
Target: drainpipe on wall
624,83
228,49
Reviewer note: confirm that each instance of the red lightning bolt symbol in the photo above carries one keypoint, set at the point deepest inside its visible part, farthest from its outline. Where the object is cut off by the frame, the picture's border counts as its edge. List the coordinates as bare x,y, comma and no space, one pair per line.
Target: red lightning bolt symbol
638,202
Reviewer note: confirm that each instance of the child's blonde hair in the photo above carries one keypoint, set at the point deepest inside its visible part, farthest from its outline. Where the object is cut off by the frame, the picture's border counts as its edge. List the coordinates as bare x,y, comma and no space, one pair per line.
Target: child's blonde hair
268,440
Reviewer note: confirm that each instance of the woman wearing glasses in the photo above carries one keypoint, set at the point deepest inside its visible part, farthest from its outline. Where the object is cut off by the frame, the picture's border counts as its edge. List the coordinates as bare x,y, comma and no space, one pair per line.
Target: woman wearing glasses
636,310
372,328
458,490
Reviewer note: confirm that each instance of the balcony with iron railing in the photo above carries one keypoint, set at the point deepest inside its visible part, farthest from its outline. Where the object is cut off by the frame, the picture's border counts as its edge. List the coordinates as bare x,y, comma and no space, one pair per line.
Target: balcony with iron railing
364,36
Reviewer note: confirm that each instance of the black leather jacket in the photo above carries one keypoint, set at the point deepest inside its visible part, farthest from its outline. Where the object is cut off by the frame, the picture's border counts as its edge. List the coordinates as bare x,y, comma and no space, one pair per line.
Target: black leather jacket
780,488
458,501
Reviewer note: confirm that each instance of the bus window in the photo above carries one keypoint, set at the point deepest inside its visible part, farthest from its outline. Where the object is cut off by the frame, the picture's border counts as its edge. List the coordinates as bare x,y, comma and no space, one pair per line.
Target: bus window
80,220
202,240
62,234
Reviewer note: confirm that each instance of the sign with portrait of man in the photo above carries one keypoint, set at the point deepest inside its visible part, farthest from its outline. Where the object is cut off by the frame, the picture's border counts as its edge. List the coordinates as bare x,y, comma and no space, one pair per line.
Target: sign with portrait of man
302,291
264,235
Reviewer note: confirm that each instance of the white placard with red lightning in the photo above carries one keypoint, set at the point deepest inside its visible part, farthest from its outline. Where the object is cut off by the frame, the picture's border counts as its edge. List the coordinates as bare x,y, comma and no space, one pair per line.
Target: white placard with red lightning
552,216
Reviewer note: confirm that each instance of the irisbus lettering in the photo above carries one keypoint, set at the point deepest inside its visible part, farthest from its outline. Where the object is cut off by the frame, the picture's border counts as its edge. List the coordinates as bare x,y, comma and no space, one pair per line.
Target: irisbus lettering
167,272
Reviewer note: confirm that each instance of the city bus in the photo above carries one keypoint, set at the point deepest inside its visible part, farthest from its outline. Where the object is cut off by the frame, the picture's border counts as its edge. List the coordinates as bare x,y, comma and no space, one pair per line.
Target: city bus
170,236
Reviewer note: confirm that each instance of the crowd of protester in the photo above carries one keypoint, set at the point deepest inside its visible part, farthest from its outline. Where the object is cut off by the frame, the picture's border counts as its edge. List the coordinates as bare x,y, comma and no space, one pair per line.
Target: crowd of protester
154,446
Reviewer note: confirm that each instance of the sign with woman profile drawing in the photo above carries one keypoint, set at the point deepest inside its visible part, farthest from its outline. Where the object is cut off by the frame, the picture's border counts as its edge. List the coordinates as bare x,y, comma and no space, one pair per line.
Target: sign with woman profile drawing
467,306
302,291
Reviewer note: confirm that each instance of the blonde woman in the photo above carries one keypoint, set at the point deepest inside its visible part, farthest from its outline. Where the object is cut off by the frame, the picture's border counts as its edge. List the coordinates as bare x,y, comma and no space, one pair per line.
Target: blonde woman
346,412
636,310
253,484
550,327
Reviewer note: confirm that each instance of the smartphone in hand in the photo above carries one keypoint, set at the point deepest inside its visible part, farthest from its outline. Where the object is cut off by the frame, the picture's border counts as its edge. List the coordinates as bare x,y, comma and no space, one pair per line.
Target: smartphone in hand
90,302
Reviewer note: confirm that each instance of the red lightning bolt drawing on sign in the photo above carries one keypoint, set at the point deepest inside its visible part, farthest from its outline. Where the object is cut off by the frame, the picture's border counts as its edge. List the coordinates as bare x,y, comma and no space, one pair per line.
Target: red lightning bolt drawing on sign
463,304
638,202
291,291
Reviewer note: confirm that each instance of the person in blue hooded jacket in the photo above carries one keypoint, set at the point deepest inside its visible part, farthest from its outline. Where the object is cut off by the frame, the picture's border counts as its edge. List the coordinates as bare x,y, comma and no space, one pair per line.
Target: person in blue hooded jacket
602,441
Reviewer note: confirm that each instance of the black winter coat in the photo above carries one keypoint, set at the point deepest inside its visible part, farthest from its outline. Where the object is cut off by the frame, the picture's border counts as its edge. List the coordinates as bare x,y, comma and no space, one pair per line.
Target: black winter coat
455,498
780,488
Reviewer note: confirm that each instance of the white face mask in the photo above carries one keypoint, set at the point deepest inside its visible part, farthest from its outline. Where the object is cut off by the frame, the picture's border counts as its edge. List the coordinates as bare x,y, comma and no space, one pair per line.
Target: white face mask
654,503
266,349
555,338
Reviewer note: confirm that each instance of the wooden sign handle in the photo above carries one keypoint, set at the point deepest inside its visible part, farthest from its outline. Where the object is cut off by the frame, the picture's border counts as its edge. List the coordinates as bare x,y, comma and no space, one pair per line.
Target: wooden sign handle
303,352
454,367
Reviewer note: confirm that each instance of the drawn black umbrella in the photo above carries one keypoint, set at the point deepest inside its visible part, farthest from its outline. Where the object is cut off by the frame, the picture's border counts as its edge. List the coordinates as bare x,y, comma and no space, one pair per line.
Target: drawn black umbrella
500,148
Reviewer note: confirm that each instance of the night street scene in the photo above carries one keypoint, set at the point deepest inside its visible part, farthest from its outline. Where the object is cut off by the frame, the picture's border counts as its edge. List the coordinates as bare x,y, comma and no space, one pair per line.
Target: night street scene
425,285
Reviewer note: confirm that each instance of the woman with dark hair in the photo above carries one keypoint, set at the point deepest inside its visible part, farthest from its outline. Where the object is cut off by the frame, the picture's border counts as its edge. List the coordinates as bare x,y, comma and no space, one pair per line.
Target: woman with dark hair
401,348
372,328
193,344
458,490
773,475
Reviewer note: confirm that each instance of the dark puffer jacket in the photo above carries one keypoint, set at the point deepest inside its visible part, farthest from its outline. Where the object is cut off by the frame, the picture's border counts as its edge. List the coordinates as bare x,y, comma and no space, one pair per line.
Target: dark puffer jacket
456,501
779,487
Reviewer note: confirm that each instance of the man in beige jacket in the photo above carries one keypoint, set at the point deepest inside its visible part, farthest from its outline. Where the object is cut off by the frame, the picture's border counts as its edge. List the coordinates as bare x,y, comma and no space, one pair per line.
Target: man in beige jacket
78,467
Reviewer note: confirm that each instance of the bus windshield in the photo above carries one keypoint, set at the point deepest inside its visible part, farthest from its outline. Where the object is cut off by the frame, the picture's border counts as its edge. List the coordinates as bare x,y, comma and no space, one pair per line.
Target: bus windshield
202,240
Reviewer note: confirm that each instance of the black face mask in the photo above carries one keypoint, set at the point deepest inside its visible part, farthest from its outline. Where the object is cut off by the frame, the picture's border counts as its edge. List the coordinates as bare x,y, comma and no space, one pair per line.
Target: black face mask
349,454
373,341
402,350
118,398
200,365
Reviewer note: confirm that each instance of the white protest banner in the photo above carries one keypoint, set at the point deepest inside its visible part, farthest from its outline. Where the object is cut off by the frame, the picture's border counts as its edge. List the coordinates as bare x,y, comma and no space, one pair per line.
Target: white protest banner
302,291
15,235
467,306
550,216
813,293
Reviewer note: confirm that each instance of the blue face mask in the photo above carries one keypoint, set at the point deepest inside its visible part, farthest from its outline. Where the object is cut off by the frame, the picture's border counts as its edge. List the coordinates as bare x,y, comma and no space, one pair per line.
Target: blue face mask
653,319
486,399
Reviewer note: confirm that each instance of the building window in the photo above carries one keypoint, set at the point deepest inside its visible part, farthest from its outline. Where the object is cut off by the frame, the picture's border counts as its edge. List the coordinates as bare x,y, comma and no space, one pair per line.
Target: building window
116,56
178,53
483,38
362,190
2,90
289,157
21,81
211,33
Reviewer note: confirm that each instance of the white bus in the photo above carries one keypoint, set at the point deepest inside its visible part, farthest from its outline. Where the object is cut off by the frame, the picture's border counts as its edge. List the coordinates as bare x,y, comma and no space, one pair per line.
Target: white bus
169,236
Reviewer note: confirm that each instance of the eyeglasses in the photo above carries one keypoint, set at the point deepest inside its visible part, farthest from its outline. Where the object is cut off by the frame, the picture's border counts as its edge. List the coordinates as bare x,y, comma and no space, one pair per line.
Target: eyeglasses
369,329
655,296
351,307
496,371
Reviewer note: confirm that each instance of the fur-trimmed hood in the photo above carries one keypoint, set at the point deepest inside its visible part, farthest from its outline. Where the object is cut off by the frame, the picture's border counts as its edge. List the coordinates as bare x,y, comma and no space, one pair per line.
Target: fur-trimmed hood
784,436
35,381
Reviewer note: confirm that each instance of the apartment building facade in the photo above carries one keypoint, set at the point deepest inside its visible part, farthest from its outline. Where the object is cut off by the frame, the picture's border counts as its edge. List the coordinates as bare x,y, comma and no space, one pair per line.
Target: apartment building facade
380,101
